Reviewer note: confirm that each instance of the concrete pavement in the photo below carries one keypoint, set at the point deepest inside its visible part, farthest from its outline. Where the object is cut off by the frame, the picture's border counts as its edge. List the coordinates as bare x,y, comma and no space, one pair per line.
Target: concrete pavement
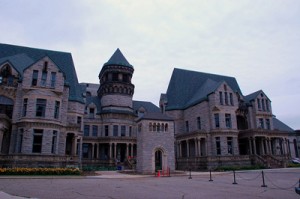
279,183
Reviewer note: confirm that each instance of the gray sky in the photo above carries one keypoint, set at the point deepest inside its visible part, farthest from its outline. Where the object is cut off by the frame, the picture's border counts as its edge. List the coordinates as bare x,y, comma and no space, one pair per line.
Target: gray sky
257,42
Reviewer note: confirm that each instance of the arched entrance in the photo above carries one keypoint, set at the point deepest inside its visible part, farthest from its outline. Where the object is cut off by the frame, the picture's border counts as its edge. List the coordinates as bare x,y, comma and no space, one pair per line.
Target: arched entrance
158,160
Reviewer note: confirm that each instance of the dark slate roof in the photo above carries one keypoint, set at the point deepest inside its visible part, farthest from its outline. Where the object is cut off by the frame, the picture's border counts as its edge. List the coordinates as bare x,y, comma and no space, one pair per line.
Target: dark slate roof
24,56
155,116
95,100
118,59
149,106
253,96
279,125
189,87
19,62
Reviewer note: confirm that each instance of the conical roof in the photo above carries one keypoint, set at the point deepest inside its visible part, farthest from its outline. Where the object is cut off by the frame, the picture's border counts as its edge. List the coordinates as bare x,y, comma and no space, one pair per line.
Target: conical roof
118,59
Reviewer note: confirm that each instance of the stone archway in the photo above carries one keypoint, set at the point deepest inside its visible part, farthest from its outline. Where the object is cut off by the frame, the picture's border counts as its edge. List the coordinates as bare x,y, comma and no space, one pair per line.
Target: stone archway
159,160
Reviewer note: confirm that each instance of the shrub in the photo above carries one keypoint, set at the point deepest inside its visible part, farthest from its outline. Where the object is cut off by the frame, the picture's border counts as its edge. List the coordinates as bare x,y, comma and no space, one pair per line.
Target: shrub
39,171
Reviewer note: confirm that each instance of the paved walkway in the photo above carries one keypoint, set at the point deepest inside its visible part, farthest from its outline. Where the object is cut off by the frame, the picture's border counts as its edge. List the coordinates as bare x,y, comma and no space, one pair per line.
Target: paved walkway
280,183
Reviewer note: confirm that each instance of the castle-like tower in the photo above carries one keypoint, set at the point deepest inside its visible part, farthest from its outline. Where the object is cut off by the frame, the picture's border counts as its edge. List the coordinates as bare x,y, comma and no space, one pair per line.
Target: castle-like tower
116,89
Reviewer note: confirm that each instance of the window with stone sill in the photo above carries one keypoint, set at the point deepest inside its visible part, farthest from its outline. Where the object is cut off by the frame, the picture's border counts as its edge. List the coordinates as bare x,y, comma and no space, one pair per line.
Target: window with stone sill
40,107
37,141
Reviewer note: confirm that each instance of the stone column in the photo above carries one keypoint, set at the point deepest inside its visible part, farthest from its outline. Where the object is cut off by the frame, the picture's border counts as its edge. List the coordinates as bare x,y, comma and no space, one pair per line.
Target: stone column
132,149
250,146
110,150
254,146
180,149
92,151
283,146
199,146
262,146
196,147
127,150
270,146
187,148
115,150
1,139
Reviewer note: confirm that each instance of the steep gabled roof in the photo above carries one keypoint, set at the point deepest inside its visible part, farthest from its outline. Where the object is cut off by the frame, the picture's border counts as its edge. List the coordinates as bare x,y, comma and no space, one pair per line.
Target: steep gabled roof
19,62
118,59
279,125
253,96
149,106
188,87
155,116
63,60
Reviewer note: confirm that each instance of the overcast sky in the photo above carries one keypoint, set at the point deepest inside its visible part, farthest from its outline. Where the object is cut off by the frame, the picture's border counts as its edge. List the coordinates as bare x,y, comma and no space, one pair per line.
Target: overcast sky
257,42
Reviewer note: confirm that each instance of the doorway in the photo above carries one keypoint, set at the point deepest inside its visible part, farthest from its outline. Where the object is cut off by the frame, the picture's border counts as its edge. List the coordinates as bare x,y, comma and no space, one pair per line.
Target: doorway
158,160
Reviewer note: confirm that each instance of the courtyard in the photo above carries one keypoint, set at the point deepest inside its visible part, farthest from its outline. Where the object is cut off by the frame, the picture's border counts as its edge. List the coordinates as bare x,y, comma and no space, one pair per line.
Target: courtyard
279,183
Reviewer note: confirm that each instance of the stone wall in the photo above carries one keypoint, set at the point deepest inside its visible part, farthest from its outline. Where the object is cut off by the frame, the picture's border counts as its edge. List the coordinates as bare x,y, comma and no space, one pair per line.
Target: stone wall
148,142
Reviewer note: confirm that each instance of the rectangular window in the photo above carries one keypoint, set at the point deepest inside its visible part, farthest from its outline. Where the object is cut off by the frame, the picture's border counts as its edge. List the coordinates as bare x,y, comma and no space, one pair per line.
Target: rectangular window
229,145
231,99
95,130
199,123
187,128
34,77
217,120
56,109
40,107
20,141
53,79
115,130
228,120
25,101
221,97
123,131
218,146
258,104
37,141
79,120
130,131
268,125
115,77
261,123
106,130
86,130
44,78
226,98
92,112
267,105
263,104
54,140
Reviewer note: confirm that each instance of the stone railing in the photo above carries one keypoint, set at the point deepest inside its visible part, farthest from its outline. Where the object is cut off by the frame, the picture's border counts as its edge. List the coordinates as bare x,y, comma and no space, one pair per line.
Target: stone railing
211,162
36,160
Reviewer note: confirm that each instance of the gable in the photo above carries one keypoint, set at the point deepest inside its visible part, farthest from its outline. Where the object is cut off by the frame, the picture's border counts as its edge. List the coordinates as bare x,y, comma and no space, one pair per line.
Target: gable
62,59
186,87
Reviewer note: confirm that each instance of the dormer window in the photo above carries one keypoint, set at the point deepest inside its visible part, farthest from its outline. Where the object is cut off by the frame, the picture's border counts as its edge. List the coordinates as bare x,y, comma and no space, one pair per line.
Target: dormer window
258,104
34,77
44,78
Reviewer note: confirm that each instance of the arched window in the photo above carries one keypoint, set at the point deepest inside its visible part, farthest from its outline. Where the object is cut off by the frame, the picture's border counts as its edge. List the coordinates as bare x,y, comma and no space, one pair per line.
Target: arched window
150,126
166,127
158,127
154,127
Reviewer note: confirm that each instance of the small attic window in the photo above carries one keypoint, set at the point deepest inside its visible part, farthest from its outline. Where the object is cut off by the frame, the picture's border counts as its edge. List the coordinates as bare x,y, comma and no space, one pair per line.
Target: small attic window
262,95
225,87
45,66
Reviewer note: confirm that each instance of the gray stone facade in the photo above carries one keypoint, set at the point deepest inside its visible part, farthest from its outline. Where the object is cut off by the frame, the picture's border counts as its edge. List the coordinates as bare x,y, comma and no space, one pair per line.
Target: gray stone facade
204,121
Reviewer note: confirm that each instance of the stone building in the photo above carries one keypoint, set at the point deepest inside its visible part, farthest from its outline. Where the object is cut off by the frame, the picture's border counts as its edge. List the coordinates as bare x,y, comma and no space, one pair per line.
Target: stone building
216,125
41,107
204,121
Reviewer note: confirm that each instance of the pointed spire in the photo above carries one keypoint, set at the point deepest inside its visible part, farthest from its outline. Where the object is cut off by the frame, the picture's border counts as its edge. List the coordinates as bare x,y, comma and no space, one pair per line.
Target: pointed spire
118,59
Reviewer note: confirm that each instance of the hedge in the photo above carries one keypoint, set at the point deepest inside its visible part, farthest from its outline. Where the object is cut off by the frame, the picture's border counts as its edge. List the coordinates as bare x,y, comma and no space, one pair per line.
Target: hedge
40,171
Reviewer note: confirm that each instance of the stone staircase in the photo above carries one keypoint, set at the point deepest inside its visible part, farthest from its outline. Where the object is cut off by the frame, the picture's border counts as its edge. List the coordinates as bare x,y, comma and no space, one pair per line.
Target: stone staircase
269,161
